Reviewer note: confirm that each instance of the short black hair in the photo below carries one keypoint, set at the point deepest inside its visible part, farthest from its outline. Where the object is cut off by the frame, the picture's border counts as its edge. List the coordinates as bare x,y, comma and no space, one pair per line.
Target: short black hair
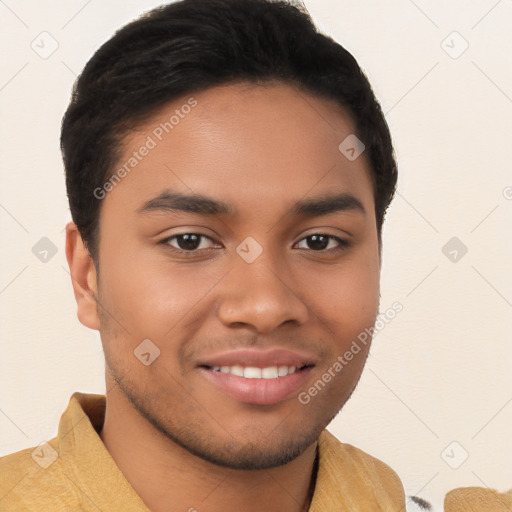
192,45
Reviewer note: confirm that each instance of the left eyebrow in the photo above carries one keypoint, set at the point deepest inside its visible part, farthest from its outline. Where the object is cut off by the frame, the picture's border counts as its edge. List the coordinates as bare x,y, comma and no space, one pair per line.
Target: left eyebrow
327,204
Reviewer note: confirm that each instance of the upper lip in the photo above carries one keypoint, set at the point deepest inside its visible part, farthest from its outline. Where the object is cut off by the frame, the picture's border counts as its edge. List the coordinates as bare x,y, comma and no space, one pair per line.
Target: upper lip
261,358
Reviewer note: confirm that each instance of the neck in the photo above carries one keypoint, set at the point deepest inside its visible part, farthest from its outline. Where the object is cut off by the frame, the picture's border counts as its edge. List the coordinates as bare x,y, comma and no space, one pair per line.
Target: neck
163,473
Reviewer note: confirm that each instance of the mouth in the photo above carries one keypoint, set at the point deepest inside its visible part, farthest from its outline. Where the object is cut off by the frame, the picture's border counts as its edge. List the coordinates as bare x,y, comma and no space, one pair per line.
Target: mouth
258,377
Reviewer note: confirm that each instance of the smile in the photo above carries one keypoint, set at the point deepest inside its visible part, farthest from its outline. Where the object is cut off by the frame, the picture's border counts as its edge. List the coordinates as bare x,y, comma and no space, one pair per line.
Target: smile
260,386
252,372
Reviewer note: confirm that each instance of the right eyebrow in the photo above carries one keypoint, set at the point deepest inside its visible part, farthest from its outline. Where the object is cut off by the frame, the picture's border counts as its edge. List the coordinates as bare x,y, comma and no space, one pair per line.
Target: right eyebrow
194,203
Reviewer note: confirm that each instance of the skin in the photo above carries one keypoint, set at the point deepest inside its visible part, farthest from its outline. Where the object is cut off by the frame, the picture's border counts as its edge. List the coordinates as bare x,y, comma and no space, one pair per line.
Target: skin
178,439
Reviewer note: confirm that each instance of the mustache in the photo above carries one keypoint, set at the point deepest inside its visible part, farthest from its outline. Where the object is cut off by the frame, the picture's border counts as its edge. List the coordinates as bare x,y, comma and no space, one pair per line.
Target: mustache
196,348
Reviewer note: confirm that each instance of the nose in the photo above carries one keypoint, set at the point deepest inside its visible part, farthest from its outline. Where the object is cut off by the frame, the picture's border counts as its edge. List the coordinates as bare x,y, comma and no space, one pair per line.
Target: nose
260,295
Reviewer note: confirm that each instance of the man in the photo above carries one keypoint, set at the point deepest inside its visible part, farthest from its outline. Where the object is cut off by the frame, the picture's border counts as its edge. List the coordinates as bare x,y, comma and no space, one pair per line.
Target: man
228,170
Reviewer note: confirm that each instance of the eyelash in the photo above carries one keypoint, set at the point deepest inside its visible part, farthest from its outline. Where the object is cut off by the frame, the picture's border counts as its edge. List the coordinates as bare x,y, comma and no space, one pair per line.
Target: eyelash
342,244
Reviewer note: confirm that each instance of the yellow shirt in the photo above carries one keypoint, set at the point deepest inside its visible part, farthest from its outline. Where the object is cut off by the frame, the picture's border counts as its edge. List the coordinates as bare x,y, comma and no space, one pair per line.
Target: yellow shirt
74,471
477,499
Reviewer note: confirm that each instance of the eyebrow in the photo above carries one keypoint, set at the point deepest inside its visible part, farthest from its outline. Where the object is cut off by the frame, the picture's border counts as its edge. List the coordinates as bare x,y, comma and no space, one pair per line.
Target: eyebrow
194,203
327,204
203,205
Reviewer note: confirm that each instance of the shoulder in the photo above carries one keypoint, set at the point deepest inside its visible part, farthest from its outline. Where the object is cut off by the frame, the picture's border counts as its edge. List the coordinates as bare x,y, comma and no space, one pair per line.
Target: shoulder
34,479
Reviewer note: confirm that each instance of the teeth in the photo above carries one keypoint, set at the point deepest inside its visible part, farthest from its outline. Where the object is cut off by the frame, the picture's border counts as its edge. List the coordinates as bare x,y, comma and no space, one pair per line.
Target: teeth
282,371
252,372
237,370
269,373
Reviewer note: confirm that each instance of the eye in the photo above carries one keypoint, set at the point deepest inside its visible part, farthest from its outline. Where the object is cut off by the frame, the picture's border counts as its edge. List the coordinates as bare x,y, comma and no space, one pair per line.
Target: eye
322,243
187,242
195,242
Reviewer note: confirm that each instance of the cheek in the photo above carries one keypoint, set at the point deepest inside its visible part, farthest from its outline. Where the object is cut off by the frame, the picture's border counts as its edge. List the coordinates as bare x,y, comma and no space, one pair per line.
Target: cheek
152,298
348,307
348,295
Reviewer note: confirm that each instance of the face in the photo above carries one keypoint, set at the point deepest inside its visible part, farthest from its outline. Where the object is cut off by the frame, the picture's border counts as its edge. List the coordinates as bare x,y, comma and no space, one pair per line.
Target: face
242,246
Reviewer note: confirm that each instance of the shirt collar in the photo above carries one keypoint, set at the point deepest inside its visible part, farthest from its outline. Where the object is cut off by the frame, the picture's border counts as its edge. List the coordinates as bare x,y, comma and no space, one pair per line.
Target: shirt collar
347,479
93,470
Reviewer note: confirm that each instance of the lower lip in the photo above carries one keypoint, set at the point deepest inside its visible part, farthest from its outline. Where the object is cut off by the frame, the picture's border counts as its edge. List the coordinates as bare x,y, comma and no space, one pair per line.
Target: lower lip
258,391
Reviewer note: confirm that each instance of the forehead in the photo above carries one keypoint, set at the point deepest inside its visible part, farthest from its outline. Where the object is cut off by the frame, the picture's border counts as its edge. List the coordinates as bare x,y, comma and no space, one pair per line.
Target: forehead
247,144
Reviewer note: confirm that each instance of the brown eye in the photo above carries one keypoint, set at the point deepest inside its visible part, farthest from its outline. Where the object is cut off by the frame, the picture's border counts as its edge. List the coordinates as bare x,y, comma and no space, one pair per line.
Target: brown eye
321,242
188,242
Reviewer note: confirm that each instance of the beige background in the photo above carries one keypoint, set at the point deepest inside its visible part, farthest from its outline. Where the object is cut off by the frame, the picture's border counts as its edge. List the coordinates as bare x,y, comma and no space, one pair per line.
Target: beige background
441,370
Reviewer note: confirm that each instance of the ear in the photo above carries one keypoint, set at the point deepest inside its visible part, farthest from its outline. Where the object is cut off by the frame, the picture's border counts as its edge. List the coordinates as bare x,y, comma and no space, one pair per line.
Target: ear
83,277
